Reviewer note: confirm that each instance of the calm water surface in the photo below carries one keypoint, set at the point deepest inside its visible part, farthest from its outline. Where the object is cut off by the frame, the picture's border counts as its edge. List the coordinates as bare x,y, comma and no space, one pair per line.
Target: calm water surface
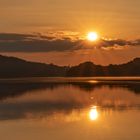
70,109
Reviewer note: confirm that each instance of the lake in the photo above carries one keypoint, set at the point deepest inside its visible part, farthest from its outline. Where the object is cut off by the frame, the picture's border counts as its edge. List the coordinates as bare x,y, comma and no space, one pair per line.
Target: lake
70,108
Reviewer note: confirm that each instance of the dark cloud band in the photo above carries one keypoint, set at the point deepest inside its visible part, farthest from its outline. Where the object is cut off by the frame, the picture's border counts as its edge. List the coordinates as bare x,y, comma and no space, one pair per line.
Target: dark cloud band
40,43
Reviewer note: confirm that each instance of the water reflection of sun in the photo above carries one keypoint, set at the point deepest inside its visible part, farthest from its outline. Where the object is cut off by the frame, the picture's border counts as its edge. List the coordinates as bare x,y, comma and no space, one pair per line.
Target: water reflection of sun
93,113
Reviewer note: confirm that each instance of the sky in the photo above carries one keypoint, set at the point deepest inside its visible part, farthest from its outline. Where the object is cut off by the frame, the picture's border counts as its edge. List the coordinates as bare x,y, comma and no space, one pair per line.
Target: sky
53,31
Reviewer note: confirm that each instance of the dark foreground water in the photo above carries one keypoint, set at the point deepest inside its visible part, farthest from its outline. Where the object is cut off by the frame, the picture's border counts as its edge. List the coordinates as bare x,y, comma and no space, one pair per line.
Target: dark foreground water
70,109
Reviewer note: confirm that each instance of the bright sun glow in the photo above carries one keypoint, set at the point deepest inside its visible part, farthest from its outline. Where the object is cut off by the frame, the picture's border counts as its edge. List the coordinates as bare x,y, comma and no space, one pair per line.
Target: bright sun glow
92,36
93,114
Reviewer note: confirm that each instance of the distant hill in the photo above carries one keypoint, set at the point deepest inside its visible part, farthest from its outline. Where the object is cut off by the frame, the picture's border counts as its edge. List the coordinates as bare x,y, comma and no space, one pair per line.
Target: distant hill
131,68
11,67
15,67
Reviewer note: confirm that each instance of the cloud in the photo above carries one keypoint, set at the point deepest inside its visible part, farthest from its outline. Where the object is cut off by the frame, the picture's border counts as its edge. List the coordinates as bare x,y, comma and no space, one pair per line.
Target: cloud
35,43
12,42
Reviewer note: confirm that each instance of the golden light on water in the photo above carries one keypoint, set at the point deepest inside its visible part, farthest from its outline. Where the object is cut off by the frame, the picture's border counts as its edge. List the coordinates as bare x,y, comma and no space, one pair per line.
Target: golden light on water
93,81
92,36
93,114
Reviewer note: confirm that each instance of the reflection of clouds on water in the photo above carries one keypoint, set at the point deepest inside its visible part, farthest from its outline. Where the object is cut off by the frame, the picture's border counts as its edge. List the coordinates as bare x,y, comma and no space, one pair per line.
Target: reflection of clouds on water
43,99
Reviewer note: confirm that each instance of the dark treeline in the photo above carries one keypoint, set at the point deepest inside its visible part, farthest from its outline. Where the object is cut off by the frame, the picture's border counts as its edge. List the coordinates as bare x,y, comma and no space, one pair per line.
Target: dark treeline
14,67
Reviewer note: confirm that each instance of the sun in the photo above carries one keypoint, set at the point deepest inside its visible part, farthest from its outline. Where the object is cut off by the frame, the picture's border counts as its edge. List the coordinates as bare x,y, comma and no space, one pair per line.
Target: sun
92,36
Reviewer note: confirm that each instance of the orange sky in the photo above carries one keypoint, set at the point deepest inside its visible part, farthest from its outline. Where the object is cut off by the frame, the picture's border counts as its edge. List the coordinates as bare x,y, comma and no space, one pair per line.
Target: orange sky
111,19
73,58
119,18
